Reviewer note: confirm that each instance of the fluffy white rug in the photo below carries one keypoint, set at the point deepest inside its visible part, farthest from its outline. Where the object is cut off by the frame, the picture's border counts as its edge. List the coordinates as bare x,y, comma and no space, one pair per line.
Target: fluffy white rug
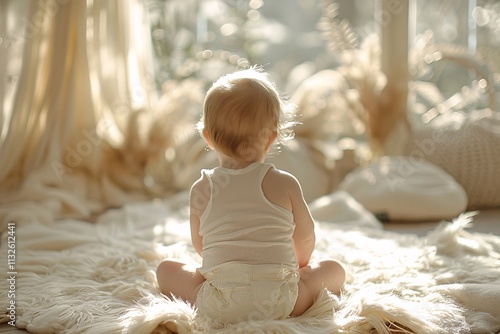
75,277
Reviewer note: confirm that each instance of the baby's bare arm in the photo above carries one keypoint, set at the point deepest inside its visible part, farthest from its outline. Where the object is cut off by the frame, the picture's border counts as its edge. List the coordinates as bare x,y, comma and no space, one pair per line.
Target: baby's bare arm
198,200
283,189
303,236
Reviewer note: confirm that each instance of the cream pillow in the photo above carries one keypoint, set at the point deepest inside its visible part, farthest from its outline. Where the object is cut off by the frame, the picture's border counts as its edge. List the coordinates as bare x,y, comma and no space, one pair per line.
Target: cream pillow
341,208
401,188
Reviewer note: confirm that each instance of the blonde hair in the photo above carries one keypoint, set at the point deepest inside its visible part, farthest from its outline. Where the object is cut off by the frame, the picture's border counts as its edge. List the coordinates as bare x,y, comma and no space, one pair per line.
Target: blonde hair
240,112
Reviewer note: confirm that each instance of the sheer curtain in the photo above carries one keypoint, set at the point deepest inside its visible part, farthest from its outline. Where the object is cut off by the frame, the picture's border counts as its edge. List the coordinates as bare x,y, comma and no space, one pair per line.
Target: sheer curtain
76,137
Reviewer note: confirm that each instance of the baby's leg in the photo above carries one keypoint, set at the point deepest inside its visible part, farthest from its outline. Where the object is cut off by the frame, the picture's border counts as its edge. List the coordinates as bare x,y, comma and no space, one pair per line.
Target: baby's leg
327,274
178,278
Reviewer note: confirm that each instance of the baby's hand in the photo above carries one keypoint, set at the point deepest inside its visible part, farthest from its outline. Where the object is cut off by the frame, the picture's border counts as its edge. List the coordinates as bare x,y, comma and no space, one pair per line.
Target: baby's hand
305,271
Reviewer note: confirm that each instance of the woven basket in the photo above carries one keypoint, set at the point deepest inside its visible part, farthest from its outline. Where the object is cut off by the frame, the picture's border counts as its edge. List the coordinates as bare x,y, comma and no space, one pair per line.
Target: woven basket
468,148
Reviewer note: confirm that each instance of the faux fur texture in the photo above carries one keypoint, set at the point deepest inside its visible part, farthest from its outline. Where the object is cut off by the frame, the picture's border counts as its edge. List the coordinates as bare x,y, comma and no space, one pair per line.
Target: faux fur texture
75,277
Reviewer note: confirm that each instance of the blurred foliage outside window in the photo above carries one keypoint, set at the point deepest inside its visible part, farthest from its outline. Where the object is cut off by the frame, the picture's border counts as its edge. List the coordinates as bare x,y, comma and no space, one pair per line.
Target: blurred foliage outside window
207,38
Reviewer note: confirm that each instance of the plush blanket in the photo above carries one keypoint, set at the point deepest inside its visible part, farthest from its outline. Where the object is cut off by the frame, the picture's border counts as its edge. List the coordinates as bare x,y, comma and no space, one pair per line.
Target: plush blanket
74,276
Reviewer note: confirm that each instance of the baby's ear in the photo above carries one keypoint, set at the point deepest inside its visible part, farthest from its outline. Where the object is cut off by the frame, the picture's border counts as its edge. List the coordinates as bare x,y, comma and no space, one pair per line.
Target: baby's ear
272,138
208,139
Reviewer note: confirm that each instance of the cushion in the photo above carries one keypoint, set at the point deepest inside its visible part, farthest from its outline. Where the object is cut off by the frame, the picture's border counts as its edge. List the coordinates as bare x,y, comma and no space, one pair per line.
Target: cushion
401,188
467,147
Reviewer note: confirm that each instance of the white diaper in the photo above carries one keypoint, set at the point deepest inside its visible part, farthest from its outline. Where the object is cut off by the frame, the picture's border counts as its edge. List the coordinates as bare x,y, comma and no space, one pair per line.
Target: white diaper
235,292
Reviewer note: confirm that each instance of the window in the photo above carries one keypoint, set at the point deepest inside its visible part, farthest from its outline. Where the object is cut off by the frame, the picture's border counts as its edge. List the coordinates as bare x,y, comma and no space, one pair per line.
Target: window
283,34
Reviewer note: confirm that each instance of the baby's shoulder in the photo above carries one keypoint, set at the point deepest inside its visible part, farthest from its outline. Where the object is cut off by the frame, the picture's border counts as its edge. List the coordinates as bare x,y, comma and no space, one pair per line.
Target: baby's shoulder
199,195
280,179
201,183
280,187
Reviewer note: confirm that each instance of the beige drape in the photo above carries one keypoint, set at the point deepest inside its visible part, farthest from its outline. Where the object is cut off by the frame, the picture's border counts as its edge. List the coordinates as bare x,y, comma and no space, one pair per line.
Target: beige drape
72,144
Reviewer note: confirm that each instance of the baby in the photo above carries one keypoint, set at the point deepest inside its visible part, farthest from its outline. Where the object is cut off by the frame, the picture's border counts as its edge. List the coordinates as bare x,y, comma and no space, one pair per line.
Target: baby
249,221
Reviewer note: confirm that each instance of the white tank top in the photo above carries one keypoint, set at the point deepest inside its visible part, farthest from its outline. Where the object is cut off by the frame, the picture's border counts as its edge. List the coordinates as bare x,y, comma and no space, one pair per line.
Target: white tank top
240,224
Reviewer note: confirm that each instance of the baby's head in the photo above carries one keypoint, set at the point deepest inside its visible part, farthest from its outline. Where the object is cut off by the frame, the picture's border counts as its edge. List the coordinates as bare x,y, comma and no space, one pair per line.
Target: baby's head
243,113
